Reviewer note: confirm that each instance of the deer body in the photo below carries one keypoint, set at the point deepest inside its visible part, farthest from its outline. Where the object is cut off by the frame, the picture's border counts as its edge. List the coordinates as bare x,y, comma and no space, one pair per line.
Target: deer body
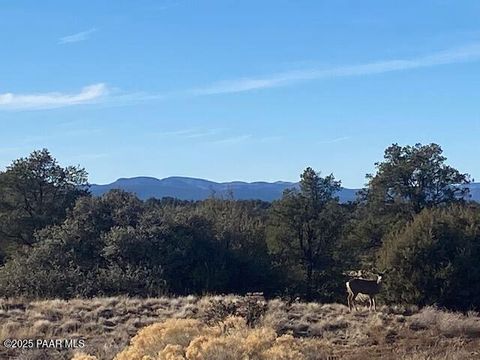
363,286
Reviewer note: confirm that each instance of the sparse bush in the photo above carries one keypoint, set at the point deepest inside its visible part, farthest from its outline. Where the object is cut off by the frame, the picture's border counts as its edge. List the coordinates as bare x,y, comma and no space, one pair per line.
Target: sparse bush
216,309
252,309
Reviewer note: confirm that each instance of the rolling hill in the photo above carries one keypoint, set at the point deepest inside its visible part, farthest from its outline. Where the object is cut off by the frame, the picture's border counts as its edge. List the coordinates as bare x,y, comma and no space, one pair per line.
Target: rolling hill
197,189
186,188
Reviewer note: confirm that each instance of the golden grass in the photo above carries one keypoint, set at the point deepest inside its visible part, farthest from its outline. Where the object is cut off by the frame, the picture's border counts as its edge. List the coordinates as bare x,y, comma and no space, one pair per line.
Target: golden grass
216,327
231,339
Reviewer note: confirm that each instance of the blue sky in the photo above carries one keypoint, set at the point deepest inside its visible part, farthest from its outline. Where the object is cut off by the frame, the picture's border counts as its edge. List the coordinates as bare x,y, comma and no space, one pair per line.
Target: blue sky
238,90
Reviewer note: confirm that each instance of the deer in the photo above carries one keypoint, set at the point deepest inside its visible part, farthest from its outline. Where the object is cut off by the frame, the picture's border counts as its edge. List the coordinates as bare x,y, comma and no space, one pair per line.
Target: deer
363,286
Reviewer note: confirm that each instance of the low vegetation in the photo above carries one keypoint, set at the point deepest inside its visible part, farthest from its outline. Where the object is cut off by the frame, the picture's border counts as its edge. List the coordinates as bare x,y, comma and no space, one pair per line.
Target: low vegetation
233,327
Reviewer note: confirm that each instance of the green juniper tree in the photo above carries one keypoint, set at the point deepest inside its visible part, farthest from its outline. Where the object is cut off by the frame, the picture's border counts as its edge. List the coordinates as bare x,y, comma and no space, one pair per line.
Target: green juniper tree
304,228
35,192
434,259
408,180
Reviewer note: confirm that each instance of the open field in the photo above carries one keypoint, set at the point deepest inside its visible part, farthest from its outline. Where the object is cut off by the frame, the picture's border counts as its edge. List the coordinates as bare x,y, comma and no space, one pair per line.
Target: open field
232,327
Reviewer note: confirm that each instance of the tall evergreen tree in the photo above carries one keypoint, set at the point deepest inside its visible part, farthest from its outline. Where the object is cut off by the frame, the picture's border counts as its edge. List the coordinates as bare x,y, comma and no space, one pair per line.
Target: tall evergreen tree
303,232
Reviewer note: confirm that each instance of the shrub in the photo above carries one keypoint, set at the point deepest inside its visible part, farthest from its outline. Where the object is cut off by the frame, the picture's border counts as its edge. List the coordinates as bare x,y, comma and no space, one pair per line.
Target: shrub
434,260
217,309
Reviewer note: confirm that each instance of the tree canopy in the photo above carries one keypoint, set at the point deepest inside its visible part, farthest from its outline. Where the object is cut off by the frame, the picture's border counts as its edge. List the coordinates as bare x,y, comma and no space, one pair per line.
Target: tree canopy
408,180
412,178
36,192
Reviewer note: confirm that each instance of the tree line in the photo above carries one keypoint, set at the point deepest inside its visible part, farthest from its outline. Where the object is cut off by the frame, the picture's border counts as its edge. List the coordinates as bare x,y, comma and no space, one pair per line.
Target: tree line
413,220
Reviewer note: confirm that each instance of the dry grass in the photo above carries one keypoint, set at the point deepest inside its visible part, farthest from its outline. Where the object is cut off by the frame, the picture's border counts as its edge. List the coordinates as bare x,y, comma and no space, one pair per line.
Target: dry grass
447,323
230,339
232,327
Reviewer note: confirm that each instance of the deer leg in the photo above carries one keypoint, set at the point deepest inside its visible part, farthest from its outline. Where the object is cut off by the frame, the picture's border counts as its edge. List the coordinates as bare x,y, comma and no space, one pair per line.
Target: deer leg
374,304
369,303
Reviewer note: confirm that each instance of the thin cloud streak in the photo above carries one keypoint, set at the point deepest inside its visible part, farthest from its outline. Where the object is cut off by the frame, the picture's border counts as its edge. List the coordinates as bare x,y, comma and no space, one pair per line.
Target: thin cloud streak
336,140
80,36
232,140
190,133
467,53
88,94
175,133
201,134
100,95
205,136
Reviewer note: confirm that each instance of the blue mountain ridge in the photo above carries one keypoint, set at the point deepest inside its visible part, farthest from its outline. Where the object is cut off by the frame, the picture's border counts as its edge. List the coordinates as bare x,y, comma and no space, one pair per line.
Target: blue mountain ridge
186,188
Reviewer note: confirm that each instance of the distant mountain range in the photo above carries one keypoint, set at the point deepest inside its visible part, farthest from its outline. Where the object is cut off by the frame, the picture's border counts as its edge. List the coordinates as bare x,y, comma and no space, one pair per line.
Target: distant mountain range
475,191
186,188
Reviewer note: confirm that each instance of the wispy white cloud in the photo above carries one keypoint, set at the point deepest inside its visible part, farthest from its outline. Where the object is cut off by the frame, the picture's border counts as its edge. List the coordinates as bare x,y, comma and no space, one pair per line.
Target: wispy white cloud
202,134
336,140
233,140
190,133
467,53
103,96
215,136
88,94
174,133
80,36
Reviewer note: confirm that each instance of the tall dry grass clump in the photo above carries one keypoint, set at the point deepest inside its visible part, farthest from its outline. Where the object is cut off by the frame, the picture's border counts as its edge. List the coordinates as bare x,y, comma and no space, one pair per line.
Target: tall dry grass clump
447,323
232,339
